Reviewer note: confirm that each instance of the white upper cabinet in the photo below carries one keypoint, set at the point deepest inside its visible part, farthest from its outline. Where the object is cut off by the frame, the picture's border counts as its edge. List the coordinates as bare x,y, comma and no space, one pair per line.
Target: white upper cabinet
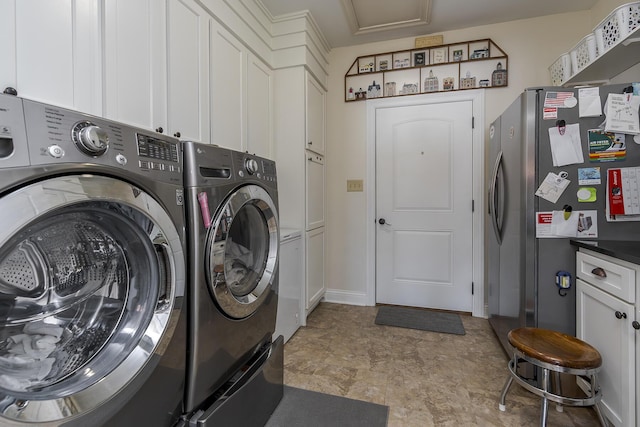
51,51
315,98
241,96
259,107
135,80
188,71
227,80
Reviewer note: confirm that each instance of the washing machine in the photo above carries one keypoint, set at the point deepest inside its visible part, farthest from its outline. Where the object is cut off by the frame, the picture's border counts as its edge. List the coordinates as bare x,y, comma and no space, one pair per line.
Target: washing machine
92,271
234,367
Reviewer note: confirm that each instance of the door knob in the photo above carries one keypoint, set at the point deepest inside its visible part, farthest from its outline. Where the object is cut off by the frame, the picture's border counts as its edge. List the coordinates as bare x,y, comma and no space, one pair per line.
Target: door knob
383,221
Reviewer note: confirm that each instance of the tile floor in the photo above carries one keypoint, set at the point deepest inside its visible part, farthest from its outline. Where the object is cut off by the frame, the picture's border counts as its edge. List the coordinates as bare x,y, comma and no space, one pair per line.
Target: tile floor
426,378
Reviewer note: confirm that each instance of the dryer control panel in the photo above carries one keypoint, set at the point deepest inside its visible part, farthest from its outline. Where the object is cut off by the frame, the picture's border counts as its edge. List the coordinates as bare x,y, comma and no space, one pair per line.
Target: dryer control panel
252,166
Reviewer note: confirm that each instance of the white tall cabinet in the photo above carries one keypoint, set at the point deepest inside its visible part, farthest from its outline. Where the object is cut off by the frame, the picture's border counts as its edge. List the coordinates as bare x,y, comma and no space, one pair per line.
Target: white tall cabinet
300,136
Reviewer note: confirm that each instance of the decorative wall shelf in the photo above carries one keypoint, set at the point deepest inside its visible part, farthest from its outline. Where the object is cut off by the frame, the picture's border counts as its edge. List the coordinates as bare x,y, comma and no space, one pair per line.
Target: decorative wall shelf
455,66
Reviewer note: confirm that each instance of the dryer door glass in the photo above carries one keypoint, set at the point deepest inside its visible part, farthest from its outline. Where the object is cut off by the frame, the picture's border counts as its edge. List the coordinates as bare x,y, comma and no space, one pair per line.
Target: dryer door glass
84,281
243,248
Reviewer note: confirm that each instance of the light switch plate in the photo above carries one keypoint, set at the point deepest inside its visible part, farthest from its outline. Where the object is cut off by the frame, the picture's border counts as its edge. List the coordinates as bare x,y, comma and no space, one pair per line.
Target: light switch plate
354,185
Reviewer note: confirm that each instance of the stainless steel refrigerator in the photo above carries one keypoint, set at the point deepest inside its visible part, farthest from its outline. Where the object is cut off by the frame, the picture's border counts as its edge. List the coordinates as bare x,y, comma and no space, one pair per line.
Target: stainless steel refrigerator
522,269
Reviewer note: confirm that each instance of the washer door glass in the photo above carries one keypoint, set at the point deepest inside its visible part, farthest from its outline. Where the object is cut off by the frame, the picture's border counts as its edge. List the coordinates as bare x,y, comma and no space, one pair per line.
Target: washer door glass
85,293
243,250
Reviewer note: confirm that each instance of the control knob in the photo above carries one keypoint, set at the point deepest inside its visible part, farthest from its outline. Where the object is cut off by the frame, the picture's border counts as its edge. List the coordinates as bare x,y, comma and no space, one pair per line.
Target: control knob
90,139
251,166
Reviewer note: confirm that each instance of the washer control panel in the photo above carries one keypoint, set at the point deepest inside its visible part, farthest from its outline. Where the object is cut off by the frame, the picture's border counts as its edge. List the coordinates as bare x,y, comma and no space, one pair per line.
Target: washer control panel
37,134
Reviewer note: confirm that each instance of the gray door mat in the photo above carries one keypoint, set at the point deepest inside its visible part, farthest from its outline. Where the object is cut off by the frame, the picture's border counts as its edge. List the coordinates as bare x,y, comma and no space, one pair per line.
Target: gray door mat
304,408
414,318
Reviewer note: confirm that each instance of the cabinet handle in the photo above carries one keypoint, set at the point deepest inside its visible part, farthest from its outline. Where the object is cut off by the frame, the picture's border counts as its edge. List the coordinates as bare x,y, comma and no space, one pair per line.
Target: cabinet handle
310,142
620,315
159,129
598,271
635,324
177,134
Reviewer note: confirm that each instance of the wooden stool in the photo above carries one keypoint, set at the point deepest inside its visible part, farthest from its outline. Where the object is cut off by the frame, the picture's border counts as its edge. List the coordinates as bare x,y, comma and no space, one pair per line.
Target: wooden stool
557,352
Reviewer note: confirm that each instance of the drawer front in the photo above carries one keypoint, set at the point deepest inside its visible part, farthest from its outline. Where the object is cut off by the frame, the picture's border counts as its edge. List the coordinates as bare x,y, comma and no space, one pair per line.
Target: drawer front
617,280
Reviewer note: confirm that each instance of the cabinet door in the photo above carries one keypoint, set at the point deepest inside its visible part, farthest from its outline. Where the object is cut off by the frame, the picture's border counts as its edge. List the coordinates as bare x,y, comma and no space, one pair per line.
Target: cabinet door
314,191
227,82
315,98
54,52
135,62
315,267
290,289
598,325
188,71
259,106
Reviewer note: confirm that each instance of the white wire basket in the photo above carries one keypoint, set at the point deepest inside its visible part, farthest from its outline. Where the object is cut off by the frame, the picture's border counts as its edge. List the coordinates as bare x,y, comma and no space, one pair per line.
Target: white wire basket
584,53
618,25
560,70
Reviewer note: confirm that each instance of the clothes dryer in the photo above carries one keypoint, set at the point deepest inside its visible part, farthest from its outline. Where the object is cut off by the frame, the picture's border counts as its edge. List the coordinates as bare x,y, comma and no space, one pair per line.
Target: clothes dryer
92,271
232,224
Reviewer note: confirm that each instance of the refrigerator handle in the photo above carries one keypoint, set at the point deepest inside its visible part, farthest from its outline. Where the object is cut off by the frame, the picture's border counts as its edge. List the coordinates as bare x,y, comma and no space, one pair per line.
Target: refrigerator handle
495,205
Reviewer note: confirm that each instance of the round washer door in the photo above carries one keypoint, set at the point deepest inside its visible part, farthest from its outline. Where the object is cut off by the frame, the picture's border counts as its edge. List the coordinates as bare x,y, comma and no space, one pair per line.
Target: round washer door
90,269
242,251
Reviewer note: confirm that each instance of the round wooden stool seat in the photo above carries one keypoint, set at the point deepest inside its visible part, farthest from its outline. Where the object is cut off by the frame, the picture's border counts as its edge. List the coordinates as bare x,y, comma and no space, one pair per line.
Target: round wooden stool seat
553,352
555,348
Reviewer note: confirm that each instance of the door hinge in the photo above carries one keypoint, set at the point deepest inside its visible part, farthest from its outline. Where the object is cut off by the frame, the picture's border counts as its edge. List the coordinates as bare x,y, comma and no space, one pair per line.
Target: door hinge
473,122
472,288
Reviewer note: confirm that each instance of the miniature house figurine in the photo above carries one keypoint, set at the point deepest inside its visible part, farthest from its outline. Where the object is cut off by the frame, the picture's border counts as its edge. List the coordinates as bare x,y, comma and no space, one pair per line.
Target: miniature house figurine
447,83
499,76
390,89
350,95
430,83
467,82
373,91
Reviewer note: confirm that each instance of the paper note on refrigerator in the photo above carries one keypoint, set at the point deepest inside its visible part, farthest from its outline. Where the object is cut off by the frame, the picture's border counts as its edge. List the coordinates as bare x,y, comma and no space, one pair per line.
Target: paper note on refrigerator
622,113
566,148
589,103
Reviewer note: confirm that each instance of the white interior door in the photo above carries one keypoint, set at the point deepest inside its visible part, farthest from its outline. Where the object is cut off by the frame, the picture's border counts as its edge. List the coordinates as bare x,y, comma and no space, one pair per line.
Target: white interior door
424,197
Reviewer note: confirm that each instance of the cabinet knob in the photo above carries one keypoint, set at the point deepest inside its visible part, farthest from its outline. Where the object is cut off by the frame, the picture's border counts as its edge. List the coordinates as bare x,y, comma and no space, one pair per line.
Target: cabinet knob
177,134
599,272
620,315
310,142
159,129
635,324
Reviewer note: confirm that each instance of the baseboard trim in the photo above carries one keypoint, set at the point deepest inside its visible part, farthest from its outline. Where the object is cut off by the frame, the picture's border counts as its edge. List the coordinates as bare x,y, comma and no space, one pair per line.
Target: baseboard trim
345,297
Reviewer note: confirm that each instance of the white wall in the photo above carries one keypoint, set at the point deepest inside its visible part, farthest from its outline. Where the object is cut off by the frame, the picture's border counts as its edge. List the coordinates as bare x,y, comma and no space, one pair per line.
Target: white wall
531,45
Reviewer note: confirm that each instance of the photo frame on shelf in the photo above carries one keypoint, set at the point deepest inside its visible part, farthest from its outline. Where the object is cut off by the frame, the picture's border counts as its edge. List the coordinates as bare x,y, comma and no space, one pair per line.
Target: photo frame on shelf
383,62
401,60
439,55
420,58
366,65
457,55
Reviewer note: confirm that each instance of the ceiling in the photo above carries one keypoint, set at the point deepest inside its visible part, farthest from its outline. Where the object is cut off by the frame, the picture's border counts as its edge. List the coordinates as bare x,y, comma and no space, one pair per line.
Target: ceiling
352,22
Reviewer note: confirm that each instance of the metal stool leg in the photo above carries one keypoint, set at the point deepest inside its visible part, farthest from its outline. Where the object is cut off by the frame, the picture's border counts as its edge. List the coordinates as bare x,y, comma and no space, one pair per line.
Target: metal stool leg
594,387
507,384
505,389
545,402
556,378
